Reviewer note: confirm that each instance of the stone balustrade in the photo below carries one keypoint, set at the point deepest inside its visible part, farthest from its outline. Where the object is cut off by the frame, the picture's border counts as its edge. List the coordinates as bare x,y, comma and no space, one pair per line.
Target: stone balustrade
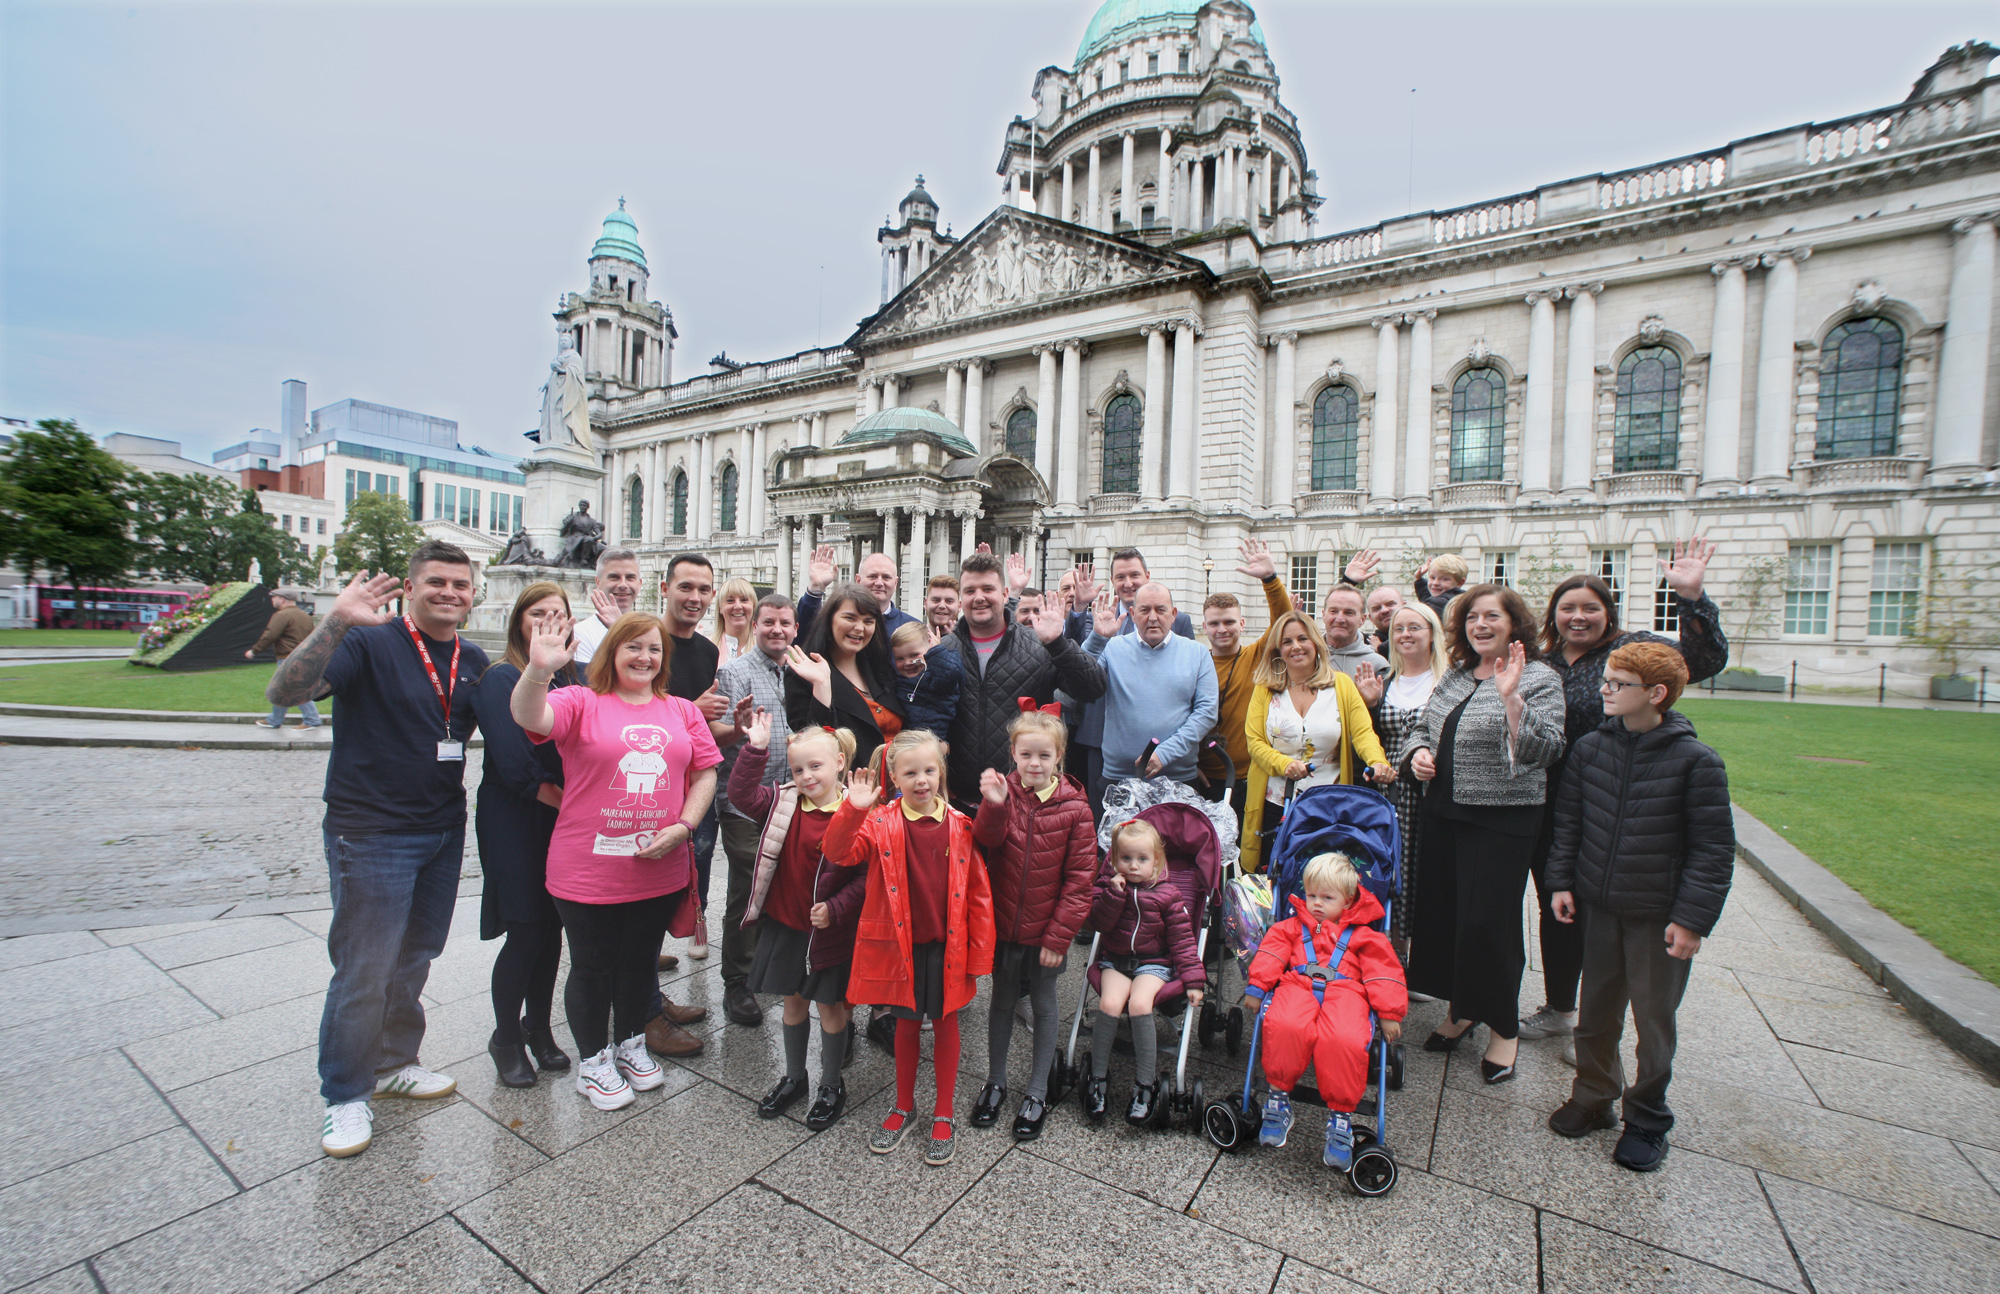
1331,503
1668,179
1637,487
1897,472
1480,221
1477,494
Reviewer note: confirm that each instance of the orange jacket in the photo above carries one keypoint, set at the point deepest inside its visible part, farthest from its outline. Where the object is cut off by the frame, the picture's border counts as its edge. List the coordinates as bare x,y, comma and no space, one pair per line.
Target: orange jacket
881,973
1370,967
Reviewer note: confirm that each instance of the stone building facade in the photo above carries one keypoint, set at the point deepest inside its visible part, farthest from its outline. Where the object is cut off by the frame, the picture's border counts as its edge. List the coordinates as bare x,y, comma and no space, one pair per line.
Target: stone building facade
1784,343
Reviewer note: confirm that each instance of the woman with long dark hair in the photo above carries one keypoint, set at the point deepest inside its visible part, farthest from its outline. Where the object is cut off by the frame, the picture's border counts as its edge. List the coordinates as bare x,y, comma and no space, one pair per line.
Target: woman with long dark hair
1491,727
519,793
1579,633
842,675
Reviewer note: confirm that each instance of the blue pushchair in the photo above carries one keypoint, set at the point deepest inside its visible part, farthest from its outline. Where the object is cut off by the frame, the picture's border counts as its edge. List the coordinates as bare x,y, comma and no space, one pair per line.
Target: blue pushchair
1360,822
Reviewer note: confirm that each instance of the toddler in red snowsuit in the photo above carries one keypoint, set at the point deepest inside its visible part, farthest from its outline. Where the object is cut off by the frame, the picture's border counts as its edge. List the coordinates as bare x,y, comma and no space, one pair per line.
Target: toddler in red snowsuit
1330,1033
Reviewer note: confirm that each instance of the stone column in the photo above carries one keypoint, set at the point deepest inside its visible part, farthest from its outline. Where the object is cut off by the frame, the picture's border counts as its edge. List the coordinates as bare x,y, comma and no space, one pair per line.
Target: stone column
1152,446
871,396
1722,420
698,524
954,395
974,425
819,431
1093,216
1777,380
1030,556
784,581
1163,183
1966,356
808,540
1382,446
1068,191
891,546
1538,417
1128,207
1417,431
885,275
1181,473
1225,184
1284,454
655,494
911,584
755,470
1069,470
892,391
1046,417
1580,390
966,530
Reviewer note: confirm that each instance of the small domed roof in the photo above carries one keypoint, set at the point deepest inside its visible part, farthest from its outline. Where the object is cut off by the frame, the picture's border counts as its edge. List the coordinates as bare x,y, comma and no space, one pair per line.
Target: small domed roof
890,423
919,194
1123,20
620,238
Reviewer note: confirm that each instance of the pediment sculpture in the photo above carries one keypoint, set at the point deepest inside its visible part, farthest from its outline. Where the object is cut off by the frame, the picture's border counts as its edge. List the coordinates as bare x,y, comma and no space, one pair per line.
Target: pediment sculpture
1014,265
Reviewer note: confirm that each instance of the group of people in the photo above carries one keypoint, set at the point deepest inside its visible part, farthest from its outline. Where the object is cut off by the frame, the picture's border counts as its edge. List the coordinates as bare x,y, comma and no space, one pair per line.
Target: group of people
908,804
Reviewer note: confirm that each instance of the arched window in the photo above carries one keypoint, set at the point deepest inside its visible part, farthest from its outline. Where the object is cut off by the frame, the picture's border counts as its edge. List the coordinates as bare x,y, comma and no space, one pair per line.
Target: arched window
1021,434
726,498
1478,425
680,489
635,508
1860,373
1646,430
1121,445
1335,414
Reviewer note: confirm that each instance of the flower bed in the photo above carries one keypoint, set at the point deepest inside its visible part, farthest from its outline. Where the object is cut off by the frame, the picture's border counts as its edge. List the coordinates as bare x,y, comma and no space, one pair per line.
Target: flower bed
159,643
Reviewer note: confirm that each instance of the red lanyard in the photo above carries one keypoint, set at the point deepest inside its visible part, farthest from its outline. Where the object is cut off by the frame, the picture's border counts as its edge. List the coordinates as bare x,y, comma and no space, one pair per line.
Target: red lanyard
424,652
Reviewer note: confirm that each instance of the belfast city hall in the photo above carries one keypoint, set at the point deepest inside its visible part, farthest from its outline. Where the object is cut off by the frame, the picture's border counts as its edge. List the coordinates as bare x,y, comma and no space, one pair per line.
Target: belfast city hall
1783,343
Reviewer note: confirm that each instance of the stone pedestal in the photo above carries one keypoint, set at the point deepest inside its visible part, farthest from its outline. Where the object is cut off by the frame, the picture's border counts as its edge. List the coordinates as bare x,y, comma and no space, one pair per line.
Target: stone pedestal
504,584
558,476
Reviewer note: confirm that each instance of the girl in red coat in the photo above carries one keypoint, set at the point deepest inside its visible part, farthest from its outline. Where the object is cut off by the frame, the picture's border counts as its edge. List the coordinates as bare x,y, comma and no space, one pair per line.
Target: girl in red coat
926,929
1332,1035
1041,853
1149,939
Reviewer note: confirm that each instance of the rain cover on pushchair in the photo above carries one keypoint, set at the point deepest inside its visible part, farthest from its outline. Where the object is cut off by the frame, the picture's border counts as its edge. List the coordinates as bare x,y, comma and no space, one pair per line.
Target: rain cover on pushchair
1124,798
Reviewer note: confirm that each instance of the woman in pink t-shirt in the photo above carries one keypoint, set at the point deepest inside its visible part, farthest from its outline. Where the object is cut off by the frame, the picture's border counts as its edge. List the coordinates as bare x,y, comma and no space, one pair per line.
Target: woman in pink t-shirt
639,767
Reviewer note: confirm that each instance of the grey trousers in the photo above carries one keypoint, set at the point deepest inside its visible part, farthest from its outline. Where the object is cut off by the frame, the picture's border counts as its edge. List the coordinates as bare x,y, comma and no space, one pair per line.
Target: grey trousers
739,846
1625,962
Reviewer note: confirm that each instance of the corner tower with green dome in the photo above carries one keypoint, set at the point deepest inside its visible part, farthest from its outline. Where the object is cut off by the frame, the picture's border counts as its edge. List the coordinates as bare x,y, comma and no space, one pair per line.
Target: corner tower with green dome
626,342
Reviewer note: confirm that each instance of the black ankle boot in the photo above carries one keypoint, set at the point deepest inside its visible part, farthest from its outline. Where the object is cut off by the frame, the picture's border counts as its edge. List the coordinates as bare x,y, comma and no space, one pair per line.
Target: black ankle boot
511,1060
542,1044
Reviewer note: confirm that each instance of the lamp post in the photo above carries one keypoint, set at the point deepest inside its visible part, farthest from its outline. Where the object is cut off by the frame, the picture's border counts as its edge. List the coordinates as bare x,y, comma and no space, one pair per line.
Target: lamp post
1207,569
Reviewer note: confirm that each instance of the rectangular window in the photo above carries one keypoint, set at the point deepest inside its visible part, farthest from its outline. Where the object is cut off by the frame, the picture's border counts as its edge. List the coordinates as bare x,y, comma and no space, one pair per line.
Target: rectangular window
285,521
350,485
517,514
1666,612
322,525
468,509
1809,589
1608,564
1081,556
1152,65
1305,582
446,501
1501,568
1124,71
1893,587
1184,60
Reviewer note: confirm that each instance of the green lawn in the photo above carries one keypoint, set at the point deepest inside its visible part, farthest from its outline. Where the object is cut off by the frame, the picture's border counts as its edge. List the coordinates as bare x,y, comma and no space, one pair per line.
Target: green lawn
1916,828
121,685
67,638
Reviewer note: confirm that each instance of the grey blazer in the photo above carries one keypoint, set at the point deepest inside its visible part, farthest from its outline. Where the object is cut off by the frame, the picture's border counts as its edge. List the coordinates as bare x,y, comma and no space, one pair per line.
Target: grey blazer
1484,770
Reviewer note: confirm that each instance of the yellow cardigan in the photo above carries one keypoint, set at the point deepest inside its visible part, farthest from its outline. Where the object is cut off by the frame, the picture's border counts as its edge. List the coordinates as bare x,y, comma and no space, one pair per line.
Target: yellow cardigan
1357,730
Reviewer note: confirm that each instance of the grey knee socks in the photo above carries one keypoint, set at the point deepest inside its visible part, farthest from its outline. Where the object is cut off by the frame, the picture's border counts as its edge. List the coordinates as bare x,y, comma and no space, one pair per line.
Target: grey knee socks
1146,1046
1048,1021
832,1055
795,1050
1000,1029
1103,1032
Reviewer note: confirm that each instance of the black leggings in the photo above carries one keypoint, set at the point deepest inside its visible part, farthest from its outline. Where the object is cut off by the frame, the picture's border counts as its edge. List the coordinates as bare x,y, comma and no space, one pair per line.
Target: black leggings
1562,944
524,978
614,951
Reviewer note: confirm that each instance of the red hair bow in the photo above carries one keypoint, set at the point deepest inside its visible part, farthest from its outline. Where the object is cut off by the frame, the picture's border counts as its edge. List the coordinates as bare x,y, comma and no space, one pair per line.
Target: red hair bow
1028,706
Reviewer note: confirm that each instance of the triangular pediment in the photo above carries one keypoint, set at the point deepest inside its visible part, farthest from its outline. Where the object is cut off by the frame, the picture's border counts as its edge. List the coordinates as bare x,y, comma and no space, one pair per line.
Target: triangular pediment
1015,261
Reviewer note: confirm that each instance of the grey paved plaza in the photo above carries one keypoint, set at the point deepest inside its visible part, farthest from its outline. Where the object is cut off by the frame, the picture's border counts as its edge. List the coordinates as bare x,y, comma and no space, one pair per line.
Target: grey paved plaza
158,1120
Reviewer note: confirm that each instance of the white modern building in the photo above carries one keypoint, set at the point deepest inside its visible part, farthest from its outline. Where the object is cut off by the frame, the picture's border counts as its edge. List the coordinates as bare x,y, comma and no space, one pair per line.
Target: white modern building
1784,343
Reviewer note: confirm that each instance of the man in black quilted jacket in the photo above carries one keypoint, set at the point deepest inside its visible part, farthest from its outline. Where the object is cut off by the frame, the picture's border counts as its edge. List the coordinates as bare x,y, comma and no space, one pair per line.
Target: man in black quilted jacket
1644,850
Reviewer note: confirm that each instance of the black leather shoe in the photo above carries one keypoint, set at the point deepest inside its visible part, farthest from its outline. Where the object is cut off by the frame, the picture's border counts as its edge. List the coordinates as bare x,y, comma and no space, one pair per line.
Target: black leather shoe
1492,1073
542,1046
780,1098
1640,1150
882,1031
512,1062
1096,1096
1573,1120
740,1004
1145,1097
830,1105
986,1112
1028,1123
1440,1042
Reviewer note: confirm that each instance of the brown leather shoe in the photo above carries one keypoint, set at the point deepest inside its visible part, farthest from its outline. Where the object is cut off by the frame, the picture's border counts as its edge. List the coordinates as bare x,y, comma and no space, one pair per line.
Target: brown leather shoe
666,1038
669,962
682,1014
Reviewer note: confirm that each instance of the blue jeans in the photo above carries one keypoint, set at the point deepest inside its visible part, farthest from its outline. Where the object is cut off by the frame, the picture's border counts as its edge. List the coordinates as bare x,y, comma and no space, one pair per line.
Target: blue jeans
392,902
307,711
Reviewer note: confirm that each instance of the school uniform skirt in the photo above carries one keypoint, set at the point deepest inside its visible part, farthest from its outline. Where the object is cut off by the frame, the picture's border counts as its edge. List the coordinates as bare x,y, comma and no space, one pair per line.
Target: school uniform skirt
779,966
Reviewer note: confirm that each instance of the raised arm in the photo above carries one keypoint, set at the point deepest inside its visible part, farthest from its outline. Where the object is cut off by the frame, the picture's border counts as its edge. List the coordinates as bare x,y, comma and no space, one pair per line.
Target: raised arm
298,676
549,650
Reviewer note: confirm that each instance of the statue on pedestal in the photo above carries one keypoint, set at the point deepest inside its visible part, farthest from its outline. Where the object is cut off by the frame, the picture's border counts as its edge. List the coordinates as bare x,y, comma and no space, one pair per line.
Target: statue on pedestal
565,400
582,538
521,551
329,570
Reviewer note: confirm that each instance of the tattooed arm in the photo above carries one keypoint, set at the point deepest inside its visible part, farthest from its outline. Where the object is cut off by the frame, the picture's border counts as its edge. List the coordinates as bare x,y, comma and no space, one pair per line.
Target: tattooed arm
298,675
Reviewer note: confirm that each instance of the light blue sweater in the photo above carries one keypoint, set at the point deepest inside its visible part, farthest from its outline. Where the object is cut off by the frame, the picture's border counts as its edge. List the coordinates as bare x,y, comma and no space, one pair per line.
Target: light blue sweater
1166,692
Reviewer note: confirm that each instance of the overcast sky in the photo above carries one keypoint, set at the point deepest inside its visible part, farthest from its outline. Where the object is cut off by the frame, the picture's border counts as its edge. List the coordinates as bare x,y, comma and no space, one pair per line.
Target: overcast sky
386,199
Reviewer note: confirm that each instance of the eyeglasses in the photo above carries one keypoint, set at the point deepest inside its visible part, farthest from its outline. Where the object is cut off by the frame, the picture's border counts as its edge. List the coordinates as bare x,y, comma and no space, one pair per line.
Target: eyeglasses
1615,686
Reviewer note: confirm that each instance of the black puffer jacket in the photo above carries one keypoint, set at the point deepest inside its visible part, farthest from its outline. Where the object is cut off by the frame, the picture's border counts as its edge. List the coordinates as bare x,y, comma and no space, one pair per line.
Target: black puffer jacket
989,699
1642,824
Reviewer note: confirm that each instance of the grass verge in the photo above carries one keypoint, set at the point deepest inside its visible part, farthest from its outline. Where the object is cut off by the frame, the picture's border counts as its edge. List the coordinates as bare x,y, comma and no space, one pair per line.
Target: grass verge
67,638
121,685
1914,826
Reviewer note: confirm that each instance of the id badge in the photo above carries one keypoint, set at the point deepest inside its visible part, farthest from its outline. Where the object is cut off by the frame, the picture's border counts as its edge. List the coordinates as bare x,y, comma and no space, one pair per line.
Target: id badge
451,752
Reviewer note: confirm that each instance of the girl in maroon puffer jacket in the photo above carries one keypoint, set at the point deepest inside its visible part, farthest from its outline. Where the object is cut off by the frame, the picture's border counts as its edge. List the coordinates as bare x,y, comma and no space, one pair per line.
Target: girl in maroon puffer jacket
1034,828
1149,940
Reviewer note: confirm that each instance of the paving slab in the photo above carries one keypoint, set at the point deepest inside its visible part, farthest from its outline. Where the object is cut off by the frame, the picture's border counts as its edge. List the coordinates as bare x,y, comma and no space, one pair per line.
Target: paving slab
1945,1099
442,1258
211,942
33,950
248,980
101,1102
1586,1260
1849,1248
88,1030
219,1045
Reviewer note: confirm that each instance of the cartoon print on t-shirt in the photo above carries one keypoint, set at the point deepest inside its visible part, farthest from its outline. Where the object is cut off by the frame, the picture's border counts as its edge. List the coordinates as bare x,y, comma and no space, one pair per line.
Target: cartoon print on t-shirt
642,765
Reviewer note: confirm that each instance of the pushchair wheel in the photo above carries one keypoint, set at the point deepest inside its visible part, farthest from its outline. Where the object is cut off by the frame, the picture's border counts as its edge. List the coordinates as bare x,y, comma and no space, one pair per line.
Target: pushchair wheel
1228,1127
1205,1024
1396,1067
1374,1172
1058,1080
1194,1105
1163,1109
1233,1031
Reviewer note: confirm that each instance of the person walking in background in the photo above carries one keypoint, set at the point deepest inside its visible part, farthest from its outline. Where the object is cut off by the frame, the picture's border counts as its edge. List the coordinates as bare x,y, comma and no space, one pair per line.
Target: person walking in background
395,821
287,628
520,790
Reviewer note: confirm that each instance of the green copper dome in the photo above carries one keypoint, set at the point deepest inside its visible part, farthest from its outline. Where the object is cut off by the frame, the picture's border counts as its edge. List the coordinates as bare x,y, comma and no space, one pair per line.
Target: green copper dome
620,238
890,423
1122,20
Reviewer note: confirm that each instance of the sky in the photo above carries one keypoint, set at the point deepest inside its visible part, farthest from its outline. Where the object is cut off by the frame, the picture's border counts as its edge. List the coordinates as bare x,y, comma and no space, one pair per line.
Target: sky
198,201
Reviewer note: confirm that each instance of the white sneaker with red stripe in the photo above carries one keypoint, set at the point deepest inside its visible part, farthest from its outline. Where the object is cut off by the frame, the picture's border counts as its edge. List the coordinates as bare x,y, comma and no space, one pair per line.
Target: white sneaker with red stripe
598,1078
637,1064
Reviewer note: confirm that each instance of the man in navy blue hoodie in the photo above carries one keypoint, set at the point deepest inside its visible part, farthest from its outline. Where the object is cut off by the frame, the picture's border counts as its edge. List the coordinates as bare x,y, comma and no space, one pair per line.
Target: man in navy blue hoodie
1644,850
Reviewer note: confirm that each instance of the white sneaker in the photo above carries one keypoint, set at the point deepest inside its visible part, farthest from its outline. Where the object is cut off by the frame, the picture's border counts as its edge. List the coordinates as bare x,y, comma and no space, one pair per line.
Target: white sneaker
638,1067
348,1129
598,1078
1547,1022
415,1082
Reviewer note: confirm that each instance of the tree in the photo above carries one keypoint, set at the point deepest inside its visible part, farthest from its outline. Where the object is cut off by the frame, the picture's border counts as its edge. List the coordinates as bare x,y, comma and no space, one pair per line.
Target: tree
378,536
208,529
1958,617
63,508
1759,594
